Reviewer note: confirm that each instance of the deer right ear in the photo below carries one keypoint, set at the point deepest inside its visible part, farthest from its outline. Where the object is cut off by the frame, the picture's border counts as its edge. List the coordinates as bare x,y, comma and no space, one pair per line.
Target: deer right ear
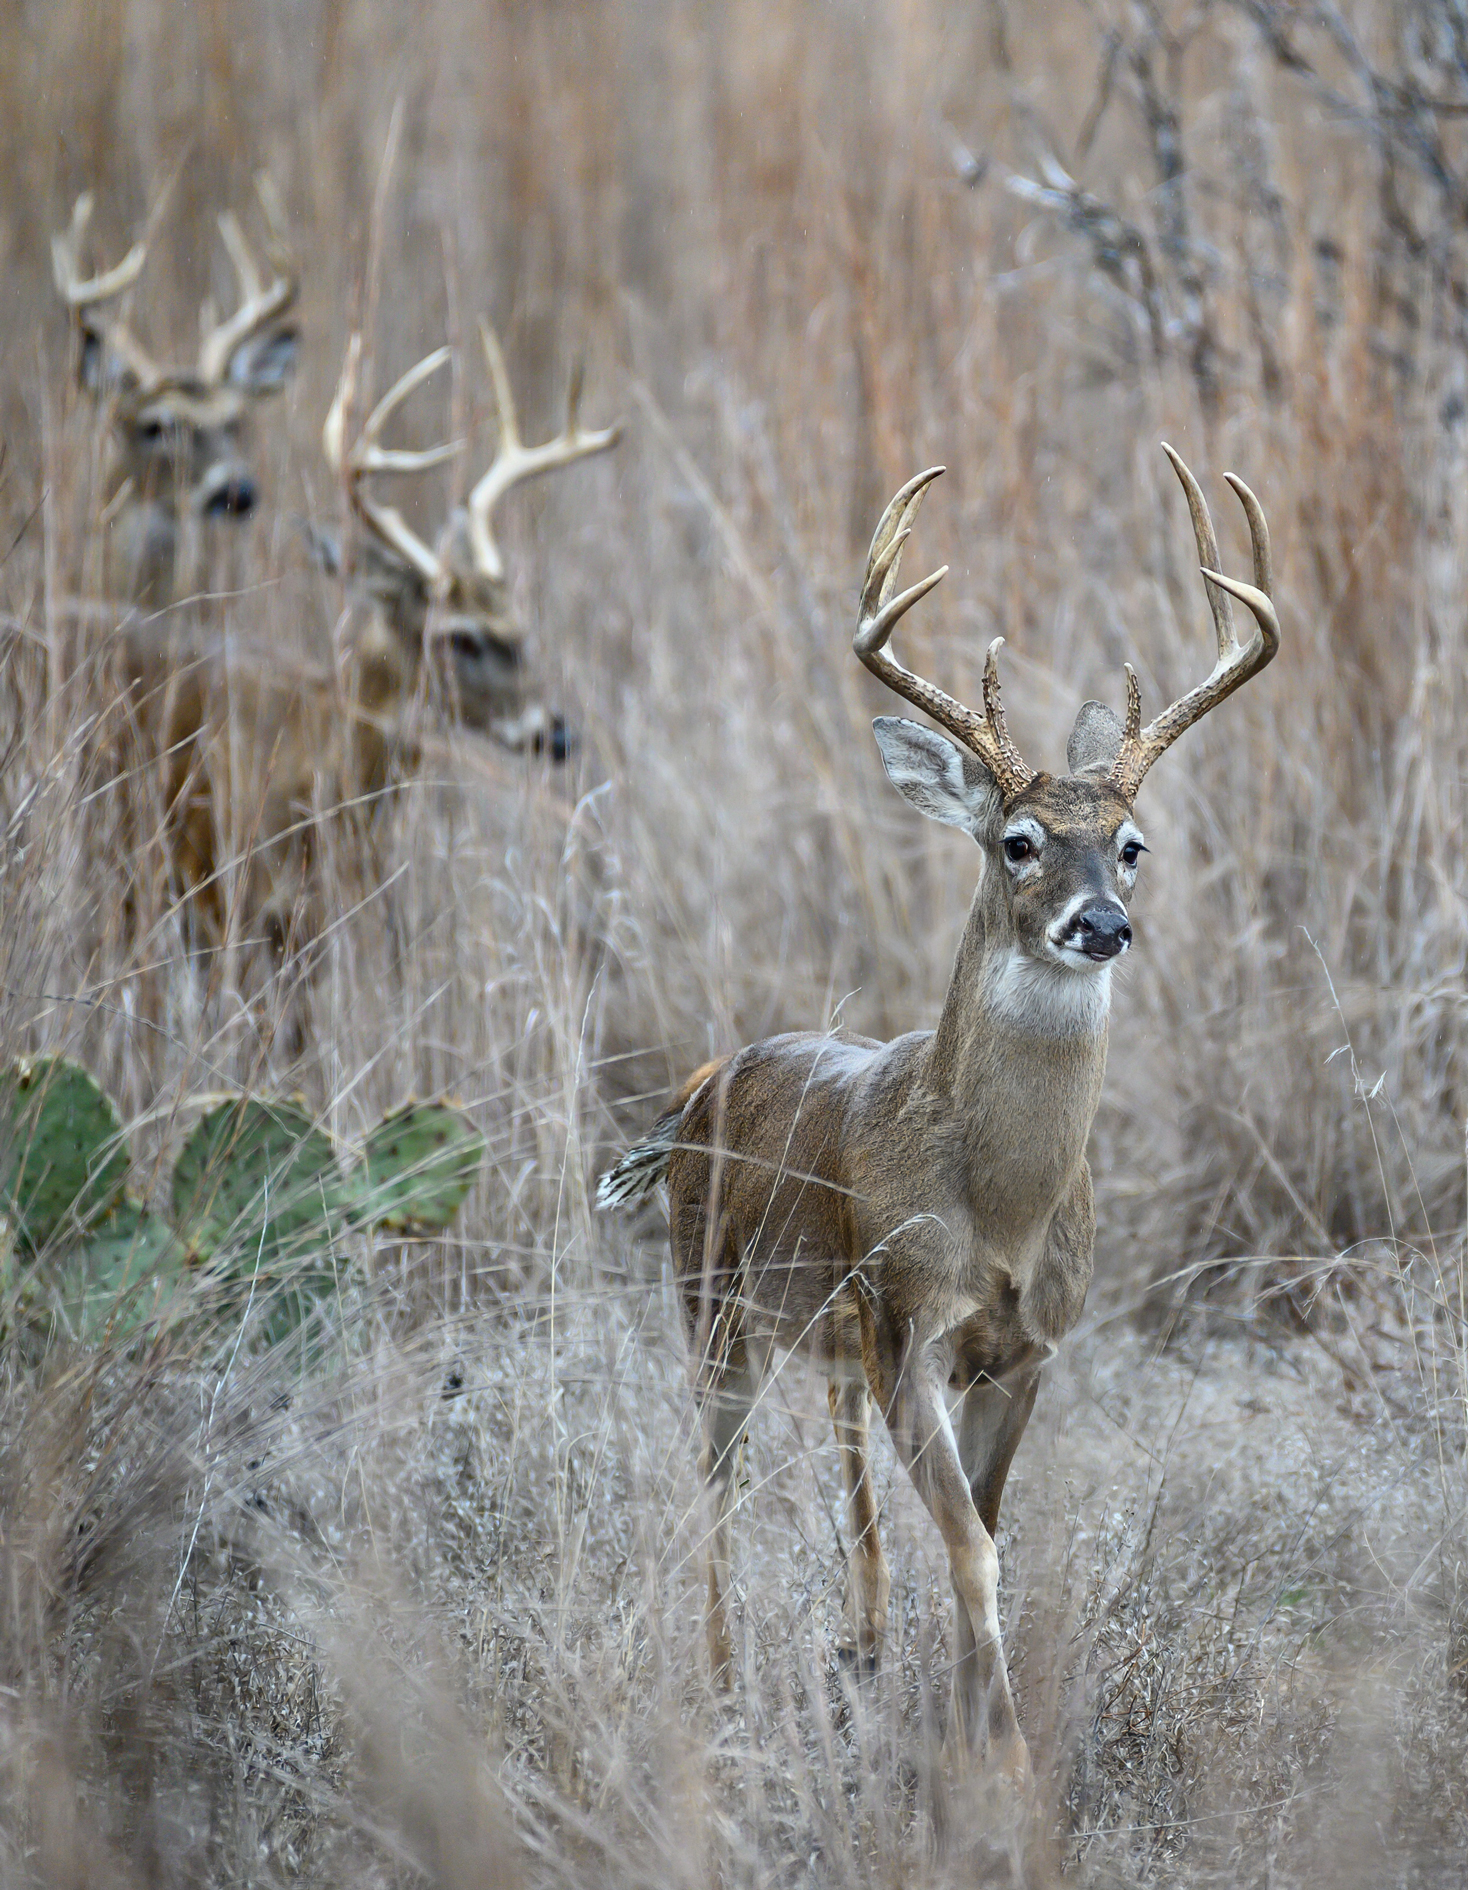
938,777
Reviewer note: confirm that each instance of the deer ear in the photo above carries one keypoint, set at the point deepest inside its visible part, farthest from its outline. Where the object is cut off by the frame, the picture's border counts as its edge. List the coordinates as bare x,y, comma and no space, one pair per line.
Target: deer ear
938,777
100,370
263,364
1095,741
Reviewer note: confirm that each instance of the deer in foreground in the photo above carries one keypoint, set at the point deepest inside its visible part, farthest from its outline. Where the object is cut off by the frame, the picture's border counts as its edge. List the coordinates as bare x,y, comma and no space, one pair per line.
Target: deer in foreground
179,435
917,1216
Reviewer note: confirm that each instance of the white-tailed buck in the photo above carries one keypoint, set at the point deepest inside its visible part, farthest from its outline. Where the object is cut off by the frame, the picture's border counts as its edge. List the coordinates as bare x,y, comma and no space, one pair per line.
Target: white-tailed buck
916,1216
179,435
436,618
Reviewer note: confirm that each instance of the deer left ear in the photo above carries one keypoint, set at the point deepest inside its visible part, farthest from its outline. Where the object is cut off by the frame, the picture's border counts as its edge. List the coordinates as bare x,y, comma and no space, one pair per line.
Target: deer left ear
1095,741
939,778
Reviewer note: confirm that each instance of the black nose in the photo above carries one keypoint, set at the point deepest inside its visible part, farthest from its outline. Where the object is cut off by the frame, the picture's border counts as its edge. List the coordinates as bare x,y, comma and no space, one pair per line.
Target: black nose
1103,930
234,499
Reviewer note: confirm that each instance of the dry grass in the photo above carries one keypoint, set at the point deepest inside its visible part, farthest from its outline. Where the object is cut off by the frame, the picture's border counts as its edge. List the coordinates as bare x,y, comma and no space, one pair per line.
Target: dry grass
418,1603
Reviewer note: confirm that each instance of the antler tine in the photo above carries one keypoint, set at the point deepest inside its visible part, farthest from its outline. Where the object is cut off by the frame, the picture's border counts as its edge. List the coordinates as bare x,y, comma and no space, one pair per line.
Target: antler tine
240,255
277,242
85,294
1258,535
261,303
334,432
1140,747
514,461
1208,559
368,456
504,397
66,256
985,735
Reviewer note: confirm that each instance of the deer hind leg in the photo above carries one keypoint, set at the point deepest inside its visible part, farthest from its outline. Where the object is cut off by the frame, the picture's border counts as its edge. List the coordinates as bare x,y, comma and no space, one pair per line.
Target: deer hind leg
982,1719
725,1402
868,1585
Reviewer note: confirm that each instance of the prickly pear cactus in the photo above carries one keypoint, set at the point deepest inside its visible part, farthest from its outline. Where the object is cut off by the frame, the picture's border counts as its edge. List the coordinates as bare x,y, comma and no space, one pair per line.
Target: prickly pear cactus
63,1156
257,1183
258,1196
124,1274
418,1165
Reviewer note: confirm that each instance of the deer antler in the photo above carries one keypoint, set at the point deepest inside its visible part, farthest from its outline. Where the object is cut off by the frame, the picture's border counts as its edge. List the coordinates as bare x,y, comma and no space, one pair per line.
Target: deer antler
263,303
370,456
1140,746
84,295
514,461
986,735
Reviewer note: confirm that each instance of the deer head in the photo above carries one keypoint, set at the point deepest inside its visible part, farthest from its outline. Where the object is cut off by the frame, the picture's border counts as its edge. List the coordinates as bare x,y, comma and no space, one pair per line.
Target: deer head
180,435
1062,851
441,613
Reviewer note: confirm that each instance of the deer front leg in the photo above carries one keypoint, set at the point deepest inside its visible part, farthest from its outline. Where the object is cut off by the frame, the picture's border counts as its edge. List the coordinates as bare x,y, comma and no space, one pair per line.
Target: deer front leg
909,1393
991,1421
864,1612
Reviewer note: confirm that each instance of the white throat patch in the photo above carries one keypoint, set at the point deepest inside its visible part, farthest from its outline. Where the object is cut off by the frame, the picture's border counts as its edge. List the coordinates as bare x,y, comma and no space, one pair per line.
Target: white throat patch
1048,1000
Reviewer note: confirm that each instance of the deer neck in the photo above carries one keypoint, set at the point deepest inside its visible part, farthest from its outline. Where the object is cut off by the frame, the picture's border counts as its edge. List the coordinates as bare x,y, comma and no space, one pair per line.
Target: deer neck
1015,1066
142,552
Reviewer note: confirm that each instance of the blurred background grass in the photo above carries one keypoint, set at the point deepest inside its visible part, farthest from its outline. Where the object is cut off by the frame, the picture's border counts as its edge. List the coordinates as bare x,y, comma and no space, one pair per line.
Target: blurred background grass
804,251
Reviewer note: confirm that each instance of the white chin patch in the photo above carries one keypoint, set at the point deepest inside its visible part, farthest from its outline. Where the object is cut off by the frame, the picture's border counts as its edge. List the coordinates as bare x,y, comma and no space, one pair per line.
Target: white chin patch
1075,957
521,732
1070,996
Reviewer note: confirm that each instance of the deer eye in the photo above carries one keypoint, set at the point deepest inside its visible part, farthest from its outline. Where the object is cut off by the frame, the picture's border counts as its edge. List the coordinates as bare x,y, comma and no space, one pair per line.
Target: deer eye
1132,852
1018,847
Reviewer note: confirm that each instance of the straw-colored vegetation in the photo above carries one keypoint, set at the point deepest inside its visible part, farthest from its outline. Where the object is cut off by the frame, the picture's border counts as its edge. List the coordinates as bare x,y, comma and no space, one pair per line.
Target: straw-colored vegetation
412,1596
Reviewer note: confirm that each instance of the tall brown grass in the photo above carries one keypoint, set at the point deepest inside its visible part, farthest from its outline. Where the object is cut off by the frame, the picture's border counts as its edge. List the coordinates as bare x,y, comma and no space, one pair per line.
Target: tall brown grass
416,1602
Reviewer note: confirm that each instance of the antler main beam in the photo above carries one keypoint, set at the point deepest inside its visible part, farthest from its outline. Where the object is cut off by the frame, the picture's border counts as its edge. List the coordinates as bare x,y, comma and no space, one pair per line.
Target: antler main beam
986,734
1140,747
514,461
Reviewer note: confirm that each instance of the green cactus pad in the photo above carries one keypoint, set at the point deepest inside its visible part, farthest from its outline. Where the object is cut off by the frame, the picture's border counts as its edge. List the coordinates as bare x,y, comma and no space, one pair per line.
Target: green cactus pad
419,1164
63,1156
122,1275
257,1182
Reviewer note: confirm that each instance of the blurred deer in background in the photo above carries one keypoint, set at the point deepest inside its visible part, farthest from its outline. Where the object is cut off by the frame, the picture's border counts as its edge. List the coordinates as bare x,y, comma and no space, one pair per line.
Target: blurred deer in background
917,1216
179,479
250,750
179,435
437,620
